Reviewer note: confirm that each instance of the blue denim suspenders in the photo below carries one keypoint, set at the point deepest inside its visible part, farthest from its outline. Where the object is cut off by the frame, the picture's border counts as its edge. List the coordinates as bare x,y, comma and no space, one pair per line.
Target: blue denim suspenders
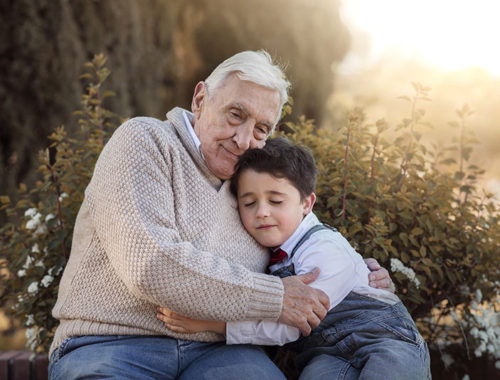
290,270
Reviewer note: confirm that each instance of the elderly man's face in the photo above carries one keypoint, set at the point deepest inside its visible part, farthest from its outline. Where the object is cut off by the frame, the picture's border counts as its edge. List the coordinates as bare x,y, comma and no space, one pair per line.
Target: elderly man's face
239,116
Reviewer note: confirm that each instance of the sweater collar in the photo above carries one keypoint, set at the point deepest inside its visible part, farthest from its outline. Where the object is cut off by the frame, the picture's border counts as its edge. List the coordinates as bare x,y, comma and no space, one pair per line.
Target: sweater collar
175,116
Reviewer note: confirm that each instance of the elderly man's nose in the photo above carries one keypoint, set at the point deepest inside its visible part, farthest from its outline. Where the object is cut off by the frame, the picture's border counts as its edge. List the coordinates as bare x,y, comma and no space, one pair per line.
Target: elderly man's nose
243,137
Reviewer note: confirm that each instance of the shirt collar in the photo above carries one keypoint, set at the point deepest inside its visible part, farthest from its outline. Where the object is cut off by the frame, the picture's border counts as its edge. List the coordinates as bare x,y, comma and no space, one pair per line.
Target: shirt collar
187,120
309,221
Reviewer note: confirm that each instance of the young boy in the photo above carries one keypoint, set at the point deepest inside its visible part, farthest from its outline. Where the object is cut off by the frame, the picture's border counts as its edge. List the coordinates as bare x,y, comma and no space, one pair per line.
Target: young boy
368,333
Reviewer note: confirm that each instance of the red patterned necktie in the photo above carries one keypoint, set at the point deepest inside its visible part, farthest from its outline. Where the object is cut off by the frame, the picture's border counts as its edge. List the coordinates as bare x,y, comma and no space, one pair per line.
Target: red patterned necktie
277,256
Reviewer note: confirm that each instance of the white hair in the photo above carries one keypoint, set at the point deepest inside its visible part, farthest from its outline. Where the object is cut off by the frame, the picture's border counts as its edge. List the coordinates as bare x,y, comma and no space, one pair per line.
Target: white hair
253,66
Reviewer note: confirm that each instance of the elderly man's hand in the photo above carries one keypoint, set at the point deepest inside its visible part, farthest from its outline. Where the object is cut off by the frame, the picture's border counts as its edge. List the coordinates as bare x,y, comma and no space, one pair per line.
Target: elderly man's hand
303,307
379,277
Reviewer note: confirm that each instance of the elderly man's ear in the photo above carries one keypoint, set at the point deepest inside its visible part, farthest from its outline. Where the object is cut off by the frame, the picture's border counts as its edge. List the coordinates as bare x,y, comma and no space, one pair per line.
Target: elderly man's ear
200,92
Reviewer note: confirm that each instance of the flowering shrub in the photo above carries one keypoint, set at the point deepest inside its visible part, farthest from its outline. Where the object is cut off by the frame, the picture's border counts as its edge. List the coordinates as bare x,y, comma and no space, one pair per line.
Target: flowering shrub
37,240
414,208
418,211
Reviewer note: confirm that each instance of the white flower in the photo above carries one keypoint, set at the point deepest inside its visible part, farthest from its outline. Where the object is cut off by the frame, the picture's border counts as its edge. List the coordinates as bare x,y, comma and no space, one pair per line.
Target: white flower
30,320
36,224
484,326
41,230
28,262
49,217
35,248
31,335
398,266
62,196
447,360
33,288
31,212
21,273
31,224
59,270
47,280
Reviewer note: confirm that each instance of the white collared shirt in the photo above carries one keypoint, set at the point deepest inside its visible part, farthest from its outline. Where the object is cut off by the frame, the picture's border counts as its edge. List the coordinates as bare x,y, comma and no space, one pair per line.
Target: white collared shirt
187,120
342,270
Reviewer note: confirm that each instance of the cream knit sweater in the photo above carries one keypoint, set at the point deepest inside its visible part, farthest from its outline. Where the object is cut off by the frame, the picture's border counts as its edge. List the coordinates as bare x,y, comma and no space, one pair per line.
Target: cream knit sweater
156,227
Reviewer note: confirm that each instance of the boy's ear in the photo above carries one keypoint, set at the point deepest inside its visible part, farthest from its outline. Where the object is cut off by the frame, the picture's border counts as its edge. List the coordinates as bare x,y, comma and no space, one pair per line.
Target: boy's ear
308,203
200,93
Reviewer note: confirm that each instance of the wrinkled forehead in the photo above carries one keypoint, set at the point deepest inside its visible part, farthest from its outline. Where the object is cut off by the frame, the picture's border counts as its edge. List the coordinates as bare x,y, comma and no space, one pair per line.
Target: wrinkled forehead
254,99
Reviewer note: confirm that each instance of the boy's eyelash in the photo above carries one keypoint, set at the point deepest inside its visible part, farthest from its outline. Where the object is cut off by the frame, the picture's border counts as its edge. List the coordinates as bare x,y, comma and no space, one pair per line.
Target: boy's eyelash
276,202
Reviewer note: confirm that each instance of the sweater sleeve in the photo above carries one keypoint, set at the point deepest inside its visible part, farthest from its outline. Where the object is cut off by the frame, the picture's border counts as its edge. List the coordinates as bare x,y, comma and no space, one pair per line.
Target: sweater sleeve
132,204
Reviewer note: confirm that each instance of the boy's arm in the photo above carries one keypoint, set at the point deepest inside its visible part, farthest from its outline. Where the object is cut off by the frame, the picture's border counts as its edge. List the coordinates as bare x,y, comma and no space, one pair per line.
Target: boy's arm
268,333
186,325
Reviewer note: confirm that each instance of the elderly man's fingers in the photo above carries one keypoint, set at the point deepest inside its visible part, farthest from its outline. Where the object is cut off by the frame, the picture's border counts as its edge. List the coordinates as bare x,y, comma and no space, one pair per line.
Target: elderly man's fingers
309,277
313,320
303,306
303,325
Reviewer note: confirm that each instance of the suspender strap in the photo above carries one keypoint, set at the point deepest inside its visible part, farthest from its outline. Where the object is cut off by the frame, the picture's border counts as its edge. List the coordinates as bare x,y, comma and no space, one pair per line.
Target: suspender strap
312,230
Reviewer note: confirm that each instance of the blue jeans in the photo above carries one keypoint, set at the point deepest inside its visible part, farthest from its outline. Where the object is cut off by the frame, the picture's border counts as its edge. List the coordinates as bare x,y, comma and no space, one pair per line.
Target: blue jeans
363,338
153,357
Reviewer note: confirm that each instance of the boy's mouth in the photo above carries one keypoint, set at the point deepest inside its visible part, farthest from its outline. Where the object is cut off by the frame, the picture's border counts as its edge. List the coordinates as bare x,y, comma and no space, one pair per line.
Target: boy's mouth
266,226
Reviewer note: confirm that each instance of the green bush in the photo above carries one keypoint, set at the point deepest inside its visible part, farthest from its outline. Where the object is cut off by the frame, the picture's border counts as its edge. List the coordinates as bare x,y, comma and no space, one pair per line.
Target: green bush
396,200
419,212
37,239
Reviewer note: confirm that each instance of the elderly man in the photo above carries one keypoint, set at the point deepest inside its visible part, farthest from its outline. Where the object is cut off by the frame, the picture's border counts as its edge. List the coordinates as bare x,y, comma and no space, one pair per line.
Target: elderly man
158,227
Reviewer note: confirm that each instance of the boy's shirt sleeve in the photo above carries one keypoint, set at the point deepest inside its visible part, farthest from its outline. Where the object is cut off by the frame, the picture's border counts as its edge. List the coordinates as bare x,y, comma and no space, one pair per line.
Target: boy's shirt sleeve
337,262
265,333
341,267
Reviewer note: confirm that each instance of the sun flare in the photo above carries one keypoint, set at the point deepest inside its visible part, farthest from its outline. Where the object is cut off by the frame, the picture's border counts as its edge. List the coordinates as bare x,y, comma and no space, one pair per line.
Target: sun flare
451,34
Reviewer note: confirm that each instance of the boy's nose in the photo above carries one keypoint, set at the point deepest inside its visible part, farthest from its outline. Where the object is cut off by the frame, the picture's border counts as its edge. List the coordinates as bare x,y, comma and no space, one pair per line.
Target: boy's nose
262,211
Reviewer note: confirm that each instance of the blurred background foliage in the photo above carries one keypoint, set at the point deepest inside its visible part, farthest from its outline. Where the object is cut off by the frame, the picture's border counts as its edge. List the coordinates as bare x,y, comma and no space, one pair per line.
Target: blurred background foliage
158,50
403,192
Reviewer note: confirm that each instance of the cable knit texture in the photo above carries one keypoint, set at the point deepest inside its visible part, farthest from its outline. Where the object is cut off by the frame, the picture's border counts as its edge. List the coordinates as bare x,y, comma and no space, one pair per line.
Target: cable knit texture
156,227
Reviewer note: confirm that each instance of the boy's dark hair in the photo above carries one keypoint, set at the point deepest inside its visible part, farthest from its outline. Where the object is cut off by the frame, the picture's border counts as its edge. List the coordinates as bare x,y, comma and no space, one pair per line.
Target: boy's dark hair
281,159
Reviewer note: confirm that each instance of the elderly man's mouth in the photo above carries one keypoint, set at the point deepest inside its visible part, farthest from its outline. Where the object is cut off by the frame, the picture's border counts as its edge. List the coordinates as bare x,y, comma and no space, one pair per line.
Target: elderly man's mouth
235,156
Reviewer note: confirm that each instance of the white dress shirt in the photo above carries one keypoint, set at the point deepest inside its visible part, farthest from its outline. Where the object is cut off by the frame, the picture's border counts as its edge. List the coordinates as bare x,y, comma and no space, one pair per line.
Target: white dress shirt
189,126
342,270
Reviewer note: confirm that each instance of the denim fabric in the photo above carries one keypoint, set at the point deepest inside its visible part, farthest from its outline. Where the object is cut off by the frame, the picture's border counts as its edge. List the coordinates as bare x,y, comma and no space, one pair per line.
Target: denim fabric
150,357
364,338
284,271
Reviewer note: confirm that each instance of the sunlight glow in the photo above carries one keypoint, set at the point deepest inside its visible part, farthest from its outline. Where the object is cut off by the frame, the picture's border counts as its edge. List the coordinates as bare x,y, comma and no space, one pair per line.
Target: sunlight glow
451,34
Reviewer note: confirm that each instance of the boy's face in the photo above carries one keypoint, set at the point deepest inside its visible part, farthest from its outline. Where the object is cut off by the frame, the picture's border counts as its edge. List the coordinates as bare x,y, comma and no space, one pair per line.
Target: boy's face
270,208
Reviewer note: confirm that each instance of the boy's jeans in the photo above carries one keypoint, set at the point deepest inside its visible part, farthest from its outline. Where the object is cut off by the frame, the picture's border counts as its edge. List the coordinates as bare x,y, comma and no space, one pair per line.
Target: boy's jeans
151,357
364,338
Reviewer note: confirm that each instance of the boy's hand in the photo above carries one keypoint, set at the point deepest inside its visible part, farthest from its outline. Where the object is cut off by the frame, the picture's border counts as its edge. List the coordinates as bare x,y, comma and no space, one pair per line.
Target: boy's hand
182,324
303,307
379,277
